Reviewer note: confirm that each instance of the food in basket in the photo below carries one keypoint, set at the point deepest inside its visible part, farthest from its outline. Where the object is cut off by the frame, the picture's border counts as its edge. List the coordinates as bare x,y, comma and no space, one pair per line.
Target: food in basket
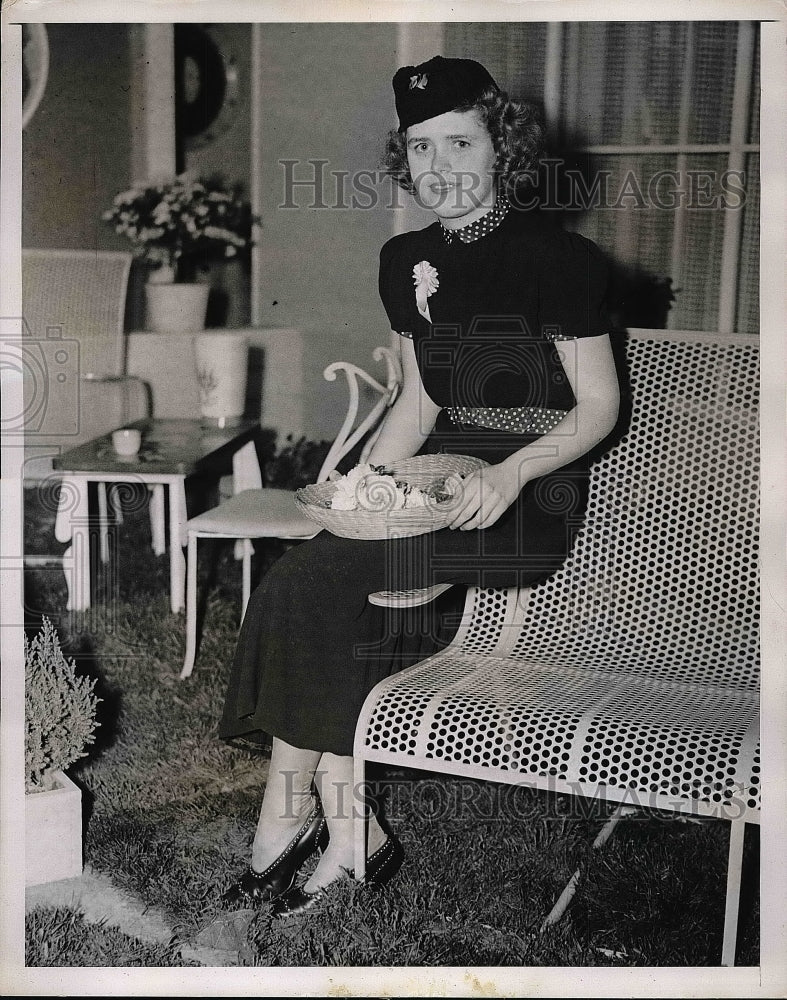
374,488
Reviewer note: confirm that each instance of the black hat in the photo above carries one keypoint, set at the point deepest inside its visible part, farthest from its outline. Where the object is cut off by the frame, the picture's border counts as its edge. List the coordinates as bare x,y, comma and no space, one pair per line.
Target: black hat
437,86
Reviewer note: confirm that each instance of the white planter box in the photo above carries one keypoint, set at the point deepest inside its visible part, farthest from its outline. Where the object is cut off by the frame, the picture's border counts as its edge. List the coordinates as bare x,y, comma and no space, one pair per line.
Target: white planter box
53,832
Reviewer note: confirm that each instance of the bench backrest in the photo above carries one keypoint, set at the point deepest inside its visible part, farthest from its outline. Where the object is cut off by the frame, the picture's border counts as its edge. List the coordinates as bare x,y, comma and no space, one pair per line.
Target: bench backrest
663,579
81,294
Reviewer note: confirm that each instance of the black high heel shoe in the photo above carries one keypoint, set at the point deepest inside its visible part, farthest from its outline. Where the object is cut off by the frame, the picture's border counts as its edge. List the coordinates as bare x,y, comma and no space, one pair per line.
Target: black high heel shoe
380,869
278,877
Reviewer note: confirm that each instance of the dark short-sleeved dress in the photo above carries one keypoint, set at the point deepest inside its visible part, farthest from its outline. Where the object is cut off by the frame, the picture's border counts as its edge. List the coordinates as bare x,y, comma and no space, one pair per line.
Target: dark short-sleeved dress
311,647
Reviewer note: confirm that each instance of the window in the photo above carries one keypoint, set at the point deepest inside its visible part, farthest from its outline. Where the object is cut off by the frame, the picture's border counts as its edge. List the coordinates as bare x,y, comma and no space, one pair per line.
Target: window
659,122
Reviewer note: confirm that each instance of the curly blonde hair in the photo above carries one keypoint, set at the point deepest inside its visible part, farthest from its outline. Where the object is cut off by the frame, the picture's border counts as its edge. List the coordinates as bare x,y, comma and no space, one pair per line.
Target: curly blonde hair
514,128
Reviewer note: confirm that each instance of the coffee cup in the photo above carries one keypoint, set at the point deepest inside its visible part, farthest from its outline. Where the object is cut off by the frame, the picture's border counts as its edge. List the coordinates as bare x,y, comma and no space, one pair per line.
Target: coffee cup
127,441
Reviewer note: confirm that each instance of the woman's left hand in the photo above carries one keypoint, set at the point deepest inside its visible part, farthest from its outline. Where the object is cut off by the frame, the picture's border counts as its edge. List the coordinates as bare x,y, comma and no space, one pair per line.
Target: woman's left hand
486,496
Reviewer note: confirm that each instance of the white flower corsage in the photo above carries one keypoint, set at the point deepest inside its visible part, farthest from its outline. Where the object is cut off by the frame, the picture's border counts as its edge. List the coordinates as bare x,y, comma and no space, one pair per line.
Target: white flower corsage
426,283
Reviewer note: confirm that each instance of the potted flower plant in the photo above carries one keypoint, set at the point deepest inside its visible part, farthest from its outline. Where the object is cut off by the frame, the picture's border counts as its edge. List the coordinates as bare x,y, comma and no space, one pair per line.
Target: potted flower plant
177,227
60,721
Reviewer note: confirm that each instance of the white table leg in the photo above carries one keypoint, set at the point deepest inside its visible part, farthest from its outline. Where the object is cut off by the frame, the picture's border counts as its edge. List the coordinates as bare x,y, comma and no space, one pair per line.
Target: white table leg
157,530
72,525
177,540
191,609
103,522
115,503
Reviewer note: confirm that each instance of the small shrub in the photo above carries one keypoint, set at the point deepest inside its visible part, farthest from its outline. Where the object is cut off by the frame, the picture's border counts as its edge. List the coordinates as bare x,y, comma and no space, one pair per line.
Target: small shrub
60,709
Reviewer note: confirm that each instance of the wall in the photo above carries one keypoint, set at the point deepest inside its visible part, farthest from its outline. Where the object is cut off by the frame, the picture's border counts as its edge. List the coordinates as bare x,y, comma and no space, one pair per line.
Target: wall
327,92
77,147
229,154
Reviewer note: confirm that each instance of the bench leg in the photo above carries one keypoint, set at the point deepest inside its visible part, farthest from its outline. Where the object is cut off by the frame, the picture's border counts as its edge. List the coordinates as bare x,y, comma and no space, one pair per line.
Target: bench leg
360,814
567,894
734,870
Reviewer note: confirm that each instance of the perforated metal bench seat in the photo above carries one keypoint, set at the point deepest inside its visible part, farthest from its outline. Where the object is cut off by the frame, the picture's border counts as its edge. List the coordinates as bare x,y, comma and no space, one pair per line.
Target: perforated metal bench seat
633,673
646,741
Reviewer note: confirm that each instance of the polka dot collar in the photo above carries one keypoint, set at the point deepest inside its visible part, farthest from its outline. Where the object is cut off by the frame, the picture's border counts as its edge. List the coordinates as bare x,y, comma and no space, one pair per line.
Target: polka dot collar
481,227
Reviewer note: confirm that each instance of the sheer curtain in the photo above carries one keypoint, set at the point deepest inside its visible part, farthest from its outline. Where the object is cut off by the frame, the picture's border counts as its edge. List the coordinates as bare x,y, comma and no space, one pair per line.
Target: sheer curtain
659,112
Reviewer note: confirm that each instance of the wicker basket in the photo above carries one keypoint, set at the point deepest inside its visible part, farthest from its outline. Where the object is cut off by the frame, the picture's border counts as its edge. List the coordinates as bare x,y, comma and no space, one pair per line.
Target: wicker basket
423,471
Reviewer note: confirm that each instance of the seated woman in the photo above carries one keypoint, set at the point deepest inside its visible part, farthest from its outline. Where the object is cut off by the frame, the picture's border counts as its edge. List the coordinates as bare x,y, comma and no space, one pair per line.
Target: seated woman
506,356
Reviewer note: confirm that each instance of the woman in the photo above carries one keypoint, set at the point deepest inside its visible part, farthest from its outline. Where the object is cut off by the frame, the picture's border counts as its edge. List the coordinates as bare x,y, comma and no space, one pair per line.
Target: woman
480,298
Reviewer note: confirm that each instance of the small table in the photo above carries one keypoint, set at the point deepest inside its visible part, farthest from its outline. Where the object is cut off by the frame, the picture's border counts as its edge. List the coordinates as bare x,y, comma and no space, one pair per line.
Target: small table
172,450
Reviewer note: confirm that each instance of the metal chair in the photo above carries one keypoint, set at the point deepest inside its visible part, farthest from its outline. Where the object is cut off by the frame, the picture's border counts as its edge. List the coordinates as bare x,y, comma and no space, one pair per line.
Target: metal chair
73,306
632,675
257,512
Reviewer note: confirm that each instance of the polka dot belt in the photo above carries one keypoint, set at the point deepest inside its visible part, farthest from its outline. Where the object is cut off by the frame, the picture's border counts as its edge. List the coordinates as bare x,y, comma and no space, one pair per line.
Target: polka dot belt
517,420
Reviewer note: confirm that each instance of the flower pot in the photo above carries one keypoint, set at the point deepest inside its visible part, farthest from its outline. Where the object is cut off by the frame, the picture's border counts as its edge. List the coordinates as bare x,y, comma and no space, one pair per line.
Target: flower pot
53,832
221,360
176,307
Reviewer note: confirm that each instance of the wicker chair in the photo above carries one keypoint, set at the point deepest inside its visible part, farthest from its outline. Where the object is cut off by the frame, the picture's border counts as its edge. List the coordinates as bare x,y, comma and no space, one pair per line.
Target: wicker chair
257,512
73,304
632,676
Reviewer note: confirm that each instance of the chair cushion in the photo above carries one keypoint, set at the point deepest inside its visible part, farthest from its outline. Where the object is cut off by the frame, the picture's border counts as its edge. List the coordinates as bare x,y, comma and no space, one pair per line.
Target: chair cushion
265,513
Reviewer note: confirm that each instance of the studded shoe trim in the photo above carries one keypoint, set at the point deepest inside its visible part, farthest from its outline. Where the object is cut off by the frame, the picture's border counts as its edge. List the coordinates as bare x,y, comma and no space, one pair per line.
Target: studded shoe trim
291,846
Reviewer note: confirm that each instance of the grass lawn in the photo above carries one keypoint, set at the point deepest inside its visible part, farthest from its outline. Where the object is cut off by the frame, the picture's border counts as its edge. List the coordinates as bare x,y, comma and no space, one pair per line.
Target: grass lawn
171,814
60,936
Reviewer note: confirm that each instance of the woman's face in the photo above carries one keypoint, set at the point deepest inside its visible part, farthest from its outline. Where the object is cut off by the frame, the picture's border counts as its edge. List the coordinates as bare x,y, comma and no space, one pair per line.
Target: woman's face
452,159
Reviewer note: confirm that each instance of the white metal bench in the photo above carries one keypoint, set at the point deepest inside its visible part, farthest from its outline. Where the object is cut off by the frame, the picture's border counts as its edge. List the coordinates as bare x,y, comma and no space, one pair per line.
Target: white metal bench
633,674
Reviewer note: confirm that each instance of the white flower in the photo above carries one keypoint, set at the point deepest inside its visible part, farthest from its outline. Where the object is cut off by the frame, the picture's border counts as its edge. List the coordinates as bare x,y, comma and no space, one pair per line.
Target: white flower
426,283
416,498
218,233
380,493
126,197
161,213
344,496
343,499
